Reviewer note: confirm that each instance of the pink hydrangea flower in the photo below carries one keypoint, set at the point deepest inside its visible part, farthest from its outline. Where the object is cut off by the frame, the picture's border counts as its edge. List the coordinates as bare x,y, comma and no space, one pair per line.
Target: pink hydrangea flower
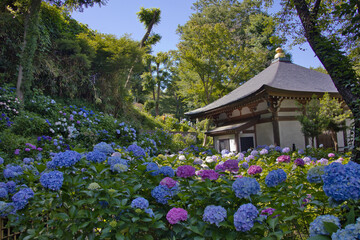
176,215
239,176
254,169
284,158
323,161
210,174
185,171
330,155
169,182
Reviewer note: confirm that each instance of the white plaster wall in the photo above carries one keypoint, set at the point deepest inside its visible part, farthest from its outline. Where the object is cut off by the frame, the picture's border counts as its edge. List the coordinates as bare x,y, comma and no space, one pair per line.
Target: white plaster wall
235,113
245,110
262,106
222,116
290,133
288,103
264,134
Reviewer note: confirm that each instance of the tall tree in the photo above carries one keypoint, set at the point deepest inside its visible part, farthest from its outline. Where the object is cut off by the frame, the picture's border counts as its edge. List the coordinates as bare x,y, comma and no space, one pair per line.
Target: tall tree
331,29
156,78
222,45
31,16
149,17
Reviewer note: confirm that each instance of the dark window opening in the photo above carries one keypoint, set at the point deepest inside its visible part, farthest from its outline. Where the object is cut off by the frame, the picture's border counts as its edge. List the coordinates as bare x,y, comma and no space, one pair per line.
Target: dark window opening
246,143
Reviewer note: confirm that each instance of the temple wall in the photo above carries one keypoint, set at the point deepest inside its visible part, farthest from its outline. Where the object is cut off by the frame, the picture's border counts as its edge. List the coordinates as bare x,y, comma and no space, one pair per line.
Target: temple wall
288,103
290,133
231,138
264,134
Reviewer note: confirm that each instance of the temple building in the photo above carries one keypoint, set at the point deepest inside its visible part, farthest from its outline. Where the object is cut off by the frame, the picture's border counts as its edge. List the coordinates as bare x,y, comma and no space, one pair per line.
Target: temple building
263,110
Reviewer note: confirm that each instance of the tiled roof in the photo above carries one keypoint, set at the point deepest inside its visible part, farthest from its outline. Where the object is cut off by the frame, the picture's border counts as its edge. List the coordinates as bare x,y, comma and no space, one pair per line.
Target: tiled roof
281,74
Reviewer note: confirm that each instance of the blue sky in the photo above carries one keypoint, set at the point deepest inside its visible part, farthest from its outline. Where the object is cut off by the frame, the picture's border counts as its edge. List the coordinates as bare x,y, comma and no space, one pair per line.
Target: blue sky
119,17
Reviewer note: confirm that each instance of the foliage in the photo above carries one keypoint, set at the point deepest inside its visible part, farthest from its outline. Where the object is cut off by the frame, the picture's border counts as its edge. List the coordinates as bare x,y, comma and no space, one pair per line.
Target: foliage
330,29
90,199
223,44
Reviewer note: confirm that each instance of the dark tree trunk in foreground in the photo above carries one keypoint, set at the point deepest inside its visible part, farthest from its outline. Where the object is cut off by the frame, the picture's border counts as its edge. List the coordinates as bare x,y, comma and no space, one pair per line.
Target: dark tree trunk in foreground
336,63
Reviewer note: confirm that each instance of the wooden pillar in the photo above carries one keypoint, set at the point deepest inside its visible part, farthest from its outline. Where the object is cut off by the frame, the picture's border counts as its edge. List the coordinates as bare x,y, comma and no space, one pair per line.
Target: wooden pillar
274,107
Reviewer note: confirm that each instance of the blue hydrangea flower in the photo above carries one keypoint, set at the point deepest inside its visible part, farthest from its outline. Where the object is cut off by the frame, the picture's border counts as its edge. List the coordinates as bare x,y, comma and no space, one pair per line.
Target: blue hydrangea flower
140,202
52,180
21,198
1,161
244,187
28,160
350,232
214,214
224,152
167,171
96,156
6,209
64,159
3,193
12,171
317,226
244,217
161,194
275,177
104,148
152,167
117,160
150,212
314,174
137,151
342,182
11,186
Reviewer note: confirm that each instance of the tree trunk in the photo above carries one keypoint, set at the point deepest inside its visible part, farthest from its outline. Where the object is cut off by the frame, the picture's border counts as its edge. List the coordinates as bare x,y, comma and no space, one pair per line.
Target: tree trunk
337,65
334,139
143,40
28,49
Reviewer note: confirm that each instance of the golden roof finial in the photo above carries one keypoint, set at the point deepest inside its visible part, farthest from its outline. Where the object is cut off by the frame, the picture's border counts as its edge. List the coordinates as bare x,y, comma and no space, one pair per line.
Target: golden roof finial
279,53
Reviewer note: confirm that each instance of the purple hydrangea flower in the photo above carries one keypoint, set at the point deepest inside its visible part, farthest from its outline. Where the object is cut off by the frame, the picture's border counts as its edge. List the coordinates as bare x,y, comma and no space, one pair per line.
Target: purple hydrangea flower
299,162
185,171
169,182
209,174
176,215
232,166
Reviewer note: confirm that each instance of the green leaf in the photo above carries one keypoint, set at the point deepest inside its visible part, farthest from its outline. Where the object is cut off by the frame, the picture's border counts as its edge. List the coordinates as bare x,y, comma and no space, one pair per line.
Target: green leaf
148,237
159,225
119,236
273,222
134,219
72,211
230,236
62,216
330,227
319,237
350,217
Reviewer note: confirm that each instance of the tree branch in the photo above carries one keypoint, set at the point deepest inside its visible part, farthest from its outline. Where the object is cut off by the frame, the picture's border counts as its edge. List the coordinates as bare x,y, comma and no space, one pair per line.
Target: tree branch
315,10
